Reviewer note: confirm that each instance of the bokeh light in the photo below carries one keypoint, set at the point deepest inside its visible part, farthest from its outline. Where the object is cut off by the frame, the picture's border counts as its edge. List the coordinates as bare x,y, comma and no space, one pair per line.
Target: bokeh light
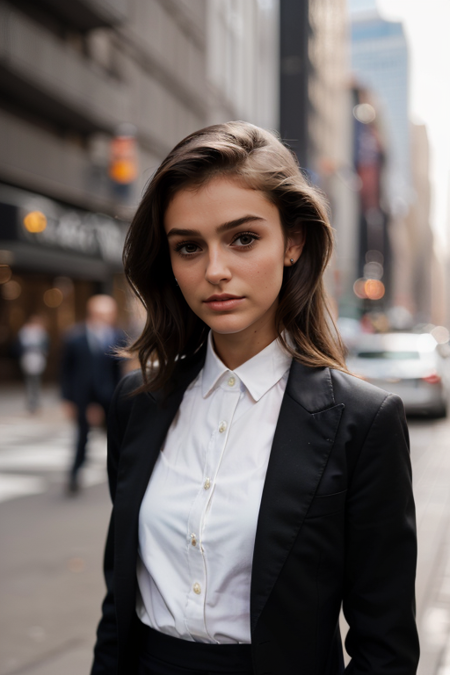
35,221
369,289
53,297
365,113
11,290
5,273
359,290
373,270
374,289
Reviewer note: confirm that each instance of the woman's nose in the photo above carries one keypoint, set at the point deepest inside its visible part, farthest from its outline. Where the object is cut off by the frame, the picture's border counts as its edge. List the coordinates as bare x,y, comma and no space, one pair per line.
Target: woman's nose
217,269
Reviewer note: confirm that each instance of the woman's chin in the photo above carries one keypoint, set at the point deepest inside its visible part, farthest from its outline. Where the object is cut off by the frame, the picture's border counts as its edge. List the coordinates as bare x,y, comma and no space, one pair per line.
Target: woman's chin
228,325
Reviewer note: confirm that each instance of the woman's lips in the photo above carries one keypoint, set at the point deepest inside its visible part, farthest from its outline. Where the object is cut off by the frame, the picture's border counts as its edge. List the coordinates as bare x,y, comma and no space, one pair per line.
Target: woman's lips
221,304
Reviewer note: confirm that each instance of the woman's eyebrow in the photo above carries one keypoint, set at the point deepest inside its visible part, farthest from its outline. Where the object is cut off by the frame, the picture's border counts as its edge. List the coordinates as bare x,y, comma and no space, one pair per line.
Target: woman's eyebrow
222,228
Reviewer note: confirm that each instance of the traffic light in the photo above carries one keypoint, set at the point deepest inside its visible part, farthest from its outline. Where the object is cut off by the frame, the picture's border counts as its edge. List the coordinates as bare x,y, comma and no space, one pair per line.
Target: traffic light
123,166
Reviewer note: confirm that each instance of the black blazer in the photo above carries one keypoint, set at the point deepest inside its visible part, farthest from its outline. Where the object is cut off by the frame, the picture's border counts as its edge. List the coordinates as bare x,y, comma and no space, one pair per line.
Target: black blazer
87,375
336,526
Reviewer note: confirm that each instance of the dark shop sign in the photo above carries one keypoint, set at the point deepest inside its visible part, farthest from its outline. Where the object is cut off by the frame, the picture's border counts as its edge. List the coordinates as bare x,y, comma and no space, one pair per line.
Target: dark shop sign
40,221
90,234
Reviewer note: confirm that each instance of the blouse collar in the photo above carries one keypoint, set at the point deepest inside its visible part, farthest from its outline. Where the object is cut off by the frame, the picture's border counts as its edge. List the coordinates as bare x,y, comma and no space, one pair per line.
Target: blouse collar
258,374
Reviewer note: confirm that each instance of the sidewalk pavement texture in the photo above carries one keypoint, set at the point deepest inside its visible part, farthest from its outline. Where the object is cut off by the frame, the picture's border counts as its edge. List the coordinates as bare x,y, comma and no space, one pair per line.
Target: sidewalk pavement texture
51,583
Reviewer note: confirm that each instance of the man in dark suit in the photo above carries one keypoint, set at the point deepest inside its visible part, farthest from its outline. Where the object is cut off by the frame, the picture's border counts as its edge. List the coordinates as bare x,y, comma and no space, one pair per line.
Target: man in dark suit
90,372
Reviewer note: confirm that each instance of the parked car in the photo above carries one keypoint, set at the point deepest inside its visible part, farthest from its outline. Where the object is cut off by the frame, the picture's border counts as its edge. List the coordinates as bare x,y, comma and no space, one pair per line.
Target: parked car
406,364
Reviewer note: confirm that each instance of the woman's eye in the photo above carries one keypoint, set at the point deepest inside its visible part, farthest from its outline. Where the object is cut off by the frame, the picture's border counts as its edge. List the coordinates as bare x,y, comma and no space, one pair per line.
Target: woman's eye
245,239
187,249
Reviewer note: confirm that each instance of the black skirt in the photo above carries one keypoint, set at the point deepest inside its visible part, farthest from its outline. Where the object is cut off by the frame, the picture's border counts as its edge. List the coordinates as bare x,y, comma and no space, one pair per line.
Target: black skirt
165,655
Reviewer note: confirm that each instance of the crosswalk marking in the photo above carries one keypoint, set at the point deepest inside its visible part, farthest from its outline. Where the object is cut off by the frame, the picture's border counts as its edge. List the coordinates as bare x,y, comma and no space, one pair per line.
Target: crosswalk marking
33,455
13,485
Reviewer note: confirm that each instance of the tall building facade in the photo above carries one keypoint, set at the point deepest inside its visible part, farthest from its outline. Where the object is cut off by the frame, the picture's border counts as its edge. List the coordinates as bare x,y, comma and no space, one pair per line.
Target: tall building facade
93,94
380,63
373,286
330,134
379,60
242,61
425,274
379,57
316,121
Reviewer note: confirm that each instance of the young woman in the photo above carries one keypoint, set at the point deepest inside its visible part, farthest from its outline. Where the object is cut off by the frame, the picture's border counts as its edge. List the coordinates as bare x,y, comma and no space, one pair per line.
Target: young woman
257,486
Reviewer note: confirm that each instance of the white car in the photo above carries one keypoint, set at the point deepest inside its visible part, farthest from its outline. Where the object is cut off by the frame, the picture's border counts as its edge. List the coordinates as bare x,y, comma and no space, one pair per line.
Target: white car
406,364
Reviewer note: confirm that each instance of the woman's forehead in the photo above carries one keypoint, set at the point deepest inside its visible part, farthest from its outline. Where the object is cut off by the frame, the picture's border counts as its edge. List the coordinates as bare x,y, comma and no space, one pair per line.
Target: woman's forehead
220,199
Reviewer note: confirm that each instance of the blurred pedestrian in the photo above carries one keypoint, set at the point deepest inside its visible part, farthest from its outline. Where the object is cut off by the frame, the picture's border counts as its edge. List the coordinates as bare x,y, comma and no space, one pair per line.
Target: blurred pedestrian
90,372
33,344
257,486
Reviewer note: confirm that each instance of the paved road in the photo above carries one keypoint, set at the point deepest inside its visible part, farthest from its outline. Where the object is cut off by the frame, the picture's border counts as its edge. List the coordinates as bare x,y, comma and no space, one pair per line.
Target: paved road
50,569
430,452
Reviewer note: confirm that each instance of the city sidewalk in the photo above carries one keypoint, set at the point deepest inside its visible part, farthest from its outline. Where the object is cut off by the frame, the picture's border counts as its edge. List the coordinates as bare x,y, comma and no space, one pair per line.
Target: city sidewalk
13,404
51,583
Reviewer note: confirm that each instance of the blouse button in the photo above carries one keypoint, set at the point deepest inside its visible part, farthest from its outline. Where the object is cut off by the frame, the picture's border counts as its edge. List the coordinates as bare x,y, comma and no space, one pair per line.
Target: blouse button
222,427
196,588
207,484
231,381
193,540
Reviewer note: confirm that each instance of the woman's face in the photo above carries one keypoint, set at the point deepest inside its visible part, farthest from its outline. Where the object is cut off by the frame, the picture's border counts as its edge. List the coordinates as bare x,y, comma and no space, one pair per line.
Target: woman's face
228,252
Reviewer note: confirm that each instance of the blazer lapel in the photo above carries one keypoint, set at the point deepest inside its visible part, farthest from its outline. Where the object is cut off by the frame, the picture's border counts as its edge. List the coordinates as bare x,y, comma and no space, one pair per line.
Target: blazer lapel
304,436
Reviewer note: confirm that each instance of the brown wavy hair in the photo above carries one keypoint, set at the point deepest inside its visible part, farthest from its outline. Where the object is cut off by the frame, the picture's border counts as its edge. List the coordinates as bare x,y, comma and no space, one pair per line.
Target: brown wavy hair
260,162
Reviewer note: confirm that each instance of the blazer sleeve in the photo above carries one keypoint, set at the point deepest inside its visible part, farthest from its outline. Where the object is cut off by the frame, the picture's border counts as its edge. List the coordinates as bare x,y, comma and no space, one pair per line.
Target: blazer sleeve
381,551
105,650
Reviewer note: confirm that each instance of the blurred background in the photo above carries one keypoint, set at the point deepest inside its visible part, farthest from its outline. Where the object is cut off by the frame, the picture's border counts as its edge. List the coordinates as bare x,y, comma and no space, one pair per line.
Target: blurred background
93,95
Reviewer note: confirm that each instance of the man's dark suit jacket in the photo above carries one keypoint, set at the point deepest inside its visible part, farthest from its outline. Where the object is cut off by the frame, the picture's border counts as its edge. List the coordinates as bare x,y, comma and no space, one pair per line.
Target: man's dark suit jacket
89,374
336,525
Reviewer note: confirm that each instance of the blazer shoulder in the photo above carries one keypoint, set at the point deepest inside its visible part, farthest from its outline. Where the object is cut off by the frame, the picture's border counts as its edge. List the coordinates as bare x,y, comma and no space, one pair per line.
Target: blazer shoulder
368,409
184,372
357,393
130,382
125,397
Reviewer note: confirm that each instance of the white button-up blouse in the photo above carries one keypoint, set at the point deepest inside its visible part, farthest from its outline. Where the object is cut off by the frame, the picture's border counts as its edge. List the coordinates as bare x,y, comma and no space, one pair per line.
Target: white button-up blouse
197,522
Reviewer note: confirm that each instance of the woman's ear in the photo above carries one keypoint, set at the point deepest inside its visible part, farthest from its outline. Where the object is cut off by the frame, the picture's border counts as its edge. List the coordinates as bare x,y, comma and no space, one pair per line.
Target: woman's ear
294,248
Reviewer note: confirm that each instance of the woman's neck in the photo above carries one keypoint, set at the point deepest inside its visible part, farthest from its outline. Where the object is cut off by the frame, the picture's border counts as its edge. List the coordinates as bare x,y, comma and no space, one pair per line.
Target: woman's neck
236,348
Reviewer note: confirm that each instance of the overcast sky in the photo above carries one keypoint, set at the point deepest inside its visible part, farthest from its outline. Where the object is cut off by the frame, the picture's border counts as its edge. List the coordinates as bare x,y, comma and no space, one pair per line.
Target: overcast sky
427,27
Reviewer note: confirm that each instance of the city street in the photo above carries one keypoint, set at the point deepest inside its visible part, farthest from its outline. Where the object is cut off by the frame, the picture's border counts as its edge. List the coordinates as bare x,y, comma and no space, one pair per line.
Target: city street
52,544
335,114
